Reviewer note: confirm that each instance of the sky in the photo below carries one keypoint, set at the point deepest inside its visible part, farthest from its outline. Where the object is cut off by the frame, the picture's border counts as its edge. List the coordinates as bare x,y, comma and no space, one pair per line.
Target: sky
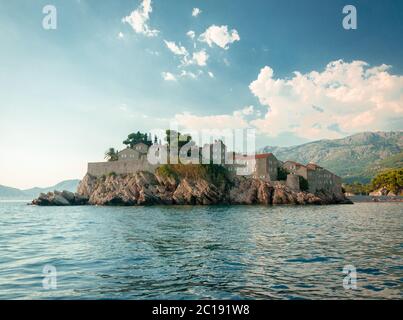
286,68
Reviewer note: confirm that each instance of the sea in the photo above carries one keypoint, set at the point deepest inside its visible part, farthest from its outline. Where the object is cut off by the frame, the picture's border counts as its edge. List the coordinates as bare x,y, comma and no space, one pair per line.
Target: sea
195,252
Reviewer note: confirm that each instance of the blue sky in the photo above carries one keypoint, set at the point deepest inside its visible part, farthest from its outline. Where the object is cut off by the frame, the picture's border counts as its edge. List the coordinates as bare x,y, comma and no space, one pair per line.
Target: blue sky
66,95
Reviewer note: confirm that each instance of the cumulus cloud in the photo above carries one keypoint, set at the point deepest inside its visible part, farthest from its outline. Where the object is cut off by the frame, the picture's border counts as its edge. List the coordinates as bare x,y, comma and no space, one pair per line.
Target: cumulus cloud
343,98
236,120
196,12
178,50
247,111
200,58
138,19
219,36
167,76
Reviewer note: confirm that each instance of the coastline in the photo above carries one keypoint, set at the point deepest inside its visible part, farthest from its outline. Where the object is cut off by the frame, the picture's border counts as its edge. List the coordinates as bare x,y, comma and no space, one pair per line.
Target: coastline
377,199
144,188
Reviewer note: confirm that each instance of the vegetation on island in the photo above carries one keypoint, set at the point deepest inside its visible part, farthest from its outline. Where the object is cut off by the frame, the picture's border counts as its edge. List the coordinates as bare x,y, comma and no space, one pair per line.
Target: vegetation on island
216,174
111,154
303,184
139,137
282,173
391,179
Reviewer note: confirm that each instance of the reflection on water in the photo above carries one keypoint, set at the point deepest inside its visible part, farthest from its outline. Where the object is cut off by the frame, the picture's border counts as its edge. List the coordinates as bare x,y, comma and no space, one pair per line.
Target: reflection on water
245,252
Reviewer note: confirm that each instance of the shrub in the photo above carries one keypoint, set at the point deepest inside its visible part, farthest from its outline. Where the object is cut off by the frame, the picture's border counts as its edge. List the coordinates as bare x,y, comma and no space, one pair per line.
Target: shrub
390,179
303,184
167,171
211,172
282,173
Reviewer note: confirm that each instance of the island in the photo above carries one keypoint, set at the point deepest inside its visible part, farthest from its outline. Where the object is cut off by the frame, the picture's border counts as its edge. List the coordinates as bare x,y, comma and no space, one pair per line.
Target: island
183,173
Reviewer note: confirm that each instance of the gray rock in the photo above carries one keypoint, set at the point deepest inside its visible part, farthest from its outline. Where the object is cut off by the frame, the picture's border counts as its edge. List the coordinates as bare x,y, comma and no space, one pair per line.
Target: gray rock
60,201
69,196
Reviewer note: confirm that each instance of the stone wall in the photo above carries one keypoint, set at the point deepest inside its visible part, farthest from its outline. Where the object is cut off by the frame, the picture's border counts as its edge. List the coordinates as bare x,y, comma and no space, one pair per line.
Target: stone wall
99,169
293,182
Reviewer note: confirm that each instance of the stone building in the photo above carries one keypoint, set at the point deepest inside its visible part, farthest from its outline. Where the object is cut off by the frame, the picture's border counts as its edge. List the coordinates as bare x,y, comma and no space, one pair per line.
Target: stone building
138,151
318,178
266,166
261,166
130,160
129,154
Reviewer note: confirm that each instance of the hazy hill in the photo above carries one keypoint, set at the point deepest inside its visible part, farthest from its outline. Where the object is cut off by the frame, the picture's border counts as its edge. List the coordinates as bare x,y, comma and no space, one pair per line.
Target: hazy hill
7,193
355,158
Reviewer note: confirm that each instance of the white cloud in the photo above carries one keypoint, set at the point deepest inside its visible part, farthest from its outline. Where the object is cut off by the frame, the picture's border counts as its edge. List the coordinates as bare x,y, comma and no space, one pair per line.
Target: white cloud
352,96
196,12
178,50
138,19
167,76
219,36
121,35
342,99
236,120
247,111
191,34
200,58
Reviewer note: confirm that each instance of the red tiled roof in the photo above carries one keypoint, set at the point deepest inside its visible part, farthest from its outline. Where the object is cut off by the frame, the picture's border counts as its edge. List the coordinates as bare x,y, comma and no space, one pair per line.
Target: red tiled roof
296,163
256,156
313,166
263,156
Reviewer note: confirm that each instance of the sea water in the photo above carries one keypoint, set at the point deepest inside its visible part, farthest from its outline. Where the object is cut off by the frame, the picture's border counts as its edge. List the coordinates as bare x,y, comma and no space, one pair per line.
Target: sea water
194,252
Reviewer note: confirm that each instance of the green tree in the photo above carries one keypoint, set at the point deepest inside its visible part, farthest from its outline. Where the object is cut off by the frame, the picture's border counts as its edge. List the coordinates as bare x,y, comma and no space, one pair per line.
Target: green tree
390,179
138,137
111,154
303,184
282,173
181,140
357,188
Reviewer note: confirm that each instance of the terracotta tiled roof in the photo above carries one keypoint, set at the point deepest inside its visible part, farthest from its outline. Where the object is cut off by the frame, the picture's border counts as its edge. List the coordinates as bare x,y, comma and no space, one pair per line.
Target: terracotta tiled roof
313,166
295,163
263,156
256,156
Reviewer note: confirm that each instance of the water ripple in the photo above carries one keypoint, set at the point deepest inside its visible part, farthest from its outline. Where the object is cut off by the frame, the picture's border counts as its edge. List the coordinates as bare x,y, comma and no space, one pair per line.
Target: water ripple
201,252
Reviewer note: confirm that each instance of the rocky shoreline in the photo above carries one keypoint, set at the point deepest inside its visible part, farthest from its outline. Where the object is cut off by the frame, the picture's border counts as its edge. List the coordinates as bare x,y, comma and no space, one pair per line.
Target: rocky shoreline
144,188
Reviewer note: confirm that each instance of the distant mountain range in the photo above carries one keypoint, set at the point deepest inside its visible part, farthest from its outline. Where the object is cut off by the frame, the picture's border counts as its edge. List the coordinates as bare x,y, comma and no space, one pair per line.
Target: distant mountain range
355,158
8,193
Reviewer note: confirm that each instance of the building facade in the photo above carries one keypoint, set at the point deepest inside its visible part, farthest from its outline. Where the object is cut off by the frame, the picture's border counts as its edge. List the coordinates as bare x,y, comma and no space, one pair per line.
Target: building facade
259,166
318,178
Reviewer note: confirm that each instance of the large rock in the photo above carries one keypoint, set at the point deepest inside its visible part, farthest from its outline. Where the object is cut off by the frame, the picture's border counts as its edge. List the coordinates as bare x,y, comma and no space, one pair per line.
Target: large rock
144,188
198,192
57,198
69,196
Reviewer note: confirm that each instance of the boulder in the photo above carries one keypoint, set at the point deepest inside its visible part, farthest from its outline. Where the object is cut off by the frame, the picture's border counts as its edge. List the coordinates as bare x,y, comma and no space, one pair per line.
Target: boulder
69,196
59,200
